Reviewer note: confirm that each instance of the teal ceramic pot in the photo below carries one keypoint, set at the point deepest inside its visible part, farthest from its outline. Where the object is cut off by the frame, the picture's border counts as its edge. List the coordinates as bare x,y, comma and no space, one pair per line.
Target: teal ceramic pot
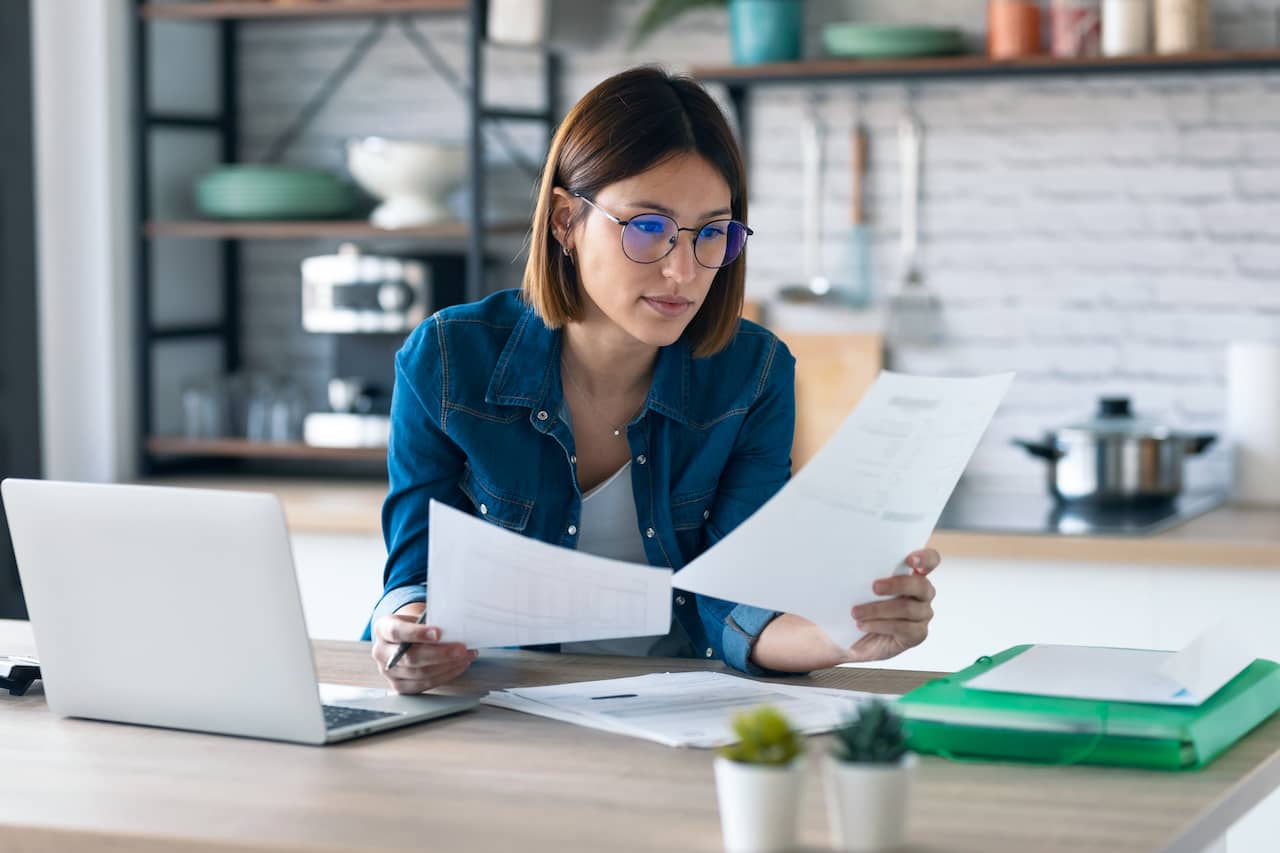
765,30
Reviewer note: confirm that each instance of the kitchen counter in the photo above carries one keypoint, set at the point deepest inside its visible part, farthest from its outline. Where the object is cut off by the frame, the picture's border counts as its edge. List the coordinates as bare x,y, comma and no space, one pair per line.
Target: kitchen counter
1227,536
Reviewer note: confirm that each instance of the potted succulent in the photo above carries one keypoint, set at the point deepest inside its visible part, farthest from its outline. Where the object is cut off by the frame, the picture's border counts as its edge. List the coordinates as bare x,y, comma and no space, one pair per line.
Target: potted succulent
758,782
869,780
759,30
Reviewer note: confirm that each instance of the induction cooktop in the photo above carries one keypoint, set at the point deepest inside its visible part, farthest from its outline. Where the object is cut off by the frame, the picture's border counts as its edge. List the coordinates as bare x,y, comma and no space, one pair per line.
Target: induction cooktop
1006,512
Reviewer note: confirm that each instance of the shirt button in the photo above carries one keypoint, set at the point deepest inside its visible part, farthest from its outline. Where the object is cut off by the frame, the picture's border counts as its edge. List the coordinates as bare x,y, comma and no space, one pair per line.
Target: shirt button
710,653
679,599
542,416
573,530
573,460
650,533
706,513
484,510
641,459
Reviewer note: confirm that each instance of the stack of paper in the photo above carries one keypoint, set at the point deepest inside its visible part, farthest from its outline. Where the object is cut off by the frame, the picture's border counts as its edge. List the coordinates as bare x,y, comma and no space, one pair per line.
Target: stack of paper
691,709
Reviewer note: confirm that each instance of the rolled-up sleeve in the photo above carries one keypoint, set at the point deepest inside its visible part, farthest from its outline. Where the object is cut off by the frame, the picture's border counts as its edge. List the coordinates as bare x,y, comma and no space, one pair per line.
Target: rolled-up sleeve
423,464
758,467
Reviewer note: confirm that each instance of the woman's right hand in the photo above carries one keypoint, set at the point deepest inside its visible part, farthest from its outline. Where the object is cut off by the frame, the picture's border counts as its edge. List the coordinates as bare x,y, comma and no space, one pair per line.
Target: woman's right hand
427,663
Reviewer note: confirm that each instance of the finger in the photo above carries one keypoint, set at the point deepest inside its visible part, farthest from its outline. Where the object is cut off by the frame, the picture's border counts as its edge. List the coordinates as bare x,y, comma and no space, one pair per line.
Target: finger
907,633
924,561
908,609
402,629
433,654
912,586
433,677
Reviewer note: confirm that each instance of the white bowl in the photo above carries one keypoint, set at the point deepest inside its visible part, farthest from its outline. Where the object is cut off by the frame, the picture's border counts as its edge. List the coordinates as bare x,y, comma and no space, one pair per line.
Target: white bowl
413,179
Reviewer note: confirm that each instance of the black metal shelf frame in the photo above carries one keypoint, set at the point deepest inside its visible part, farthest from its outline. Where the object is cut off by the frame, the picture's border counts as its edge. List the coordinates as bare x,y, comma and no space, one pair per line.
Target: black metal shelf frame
225,123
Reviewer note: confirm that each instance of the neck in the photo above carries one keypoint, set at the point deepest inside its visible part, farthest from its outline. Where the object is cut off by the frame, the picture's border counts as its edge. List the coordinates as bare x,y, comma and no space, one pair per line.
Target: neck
607,365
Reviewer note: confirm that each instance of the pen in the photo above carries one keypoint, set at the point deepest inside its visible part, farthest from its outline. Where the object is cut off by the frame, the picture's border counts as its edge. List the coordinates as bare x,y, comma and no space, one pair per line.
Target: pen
404,647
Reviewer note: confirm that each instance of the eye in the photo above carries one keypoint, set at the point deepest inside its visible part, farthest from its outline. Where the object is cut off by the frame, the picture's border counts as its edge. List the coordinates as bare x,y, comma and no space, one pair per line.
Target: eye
649,226
711,232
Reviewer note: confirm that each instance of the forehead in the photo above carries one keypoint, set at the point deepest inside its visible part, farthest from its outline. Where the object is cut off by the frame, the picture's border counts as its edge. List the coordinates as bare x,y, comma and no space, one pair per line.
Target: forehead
686,183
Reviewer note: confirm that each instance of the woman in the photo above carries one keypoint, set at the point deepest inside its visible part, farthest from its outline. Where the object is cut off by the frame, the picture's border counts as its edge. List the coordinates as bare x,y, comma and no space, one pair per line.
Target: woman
618,404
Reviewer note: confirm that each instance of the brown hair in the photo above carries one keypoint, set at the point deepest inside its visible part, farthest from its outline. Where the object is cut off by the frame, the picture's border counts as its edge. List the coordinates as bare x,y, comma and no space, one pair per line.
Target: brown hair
626,125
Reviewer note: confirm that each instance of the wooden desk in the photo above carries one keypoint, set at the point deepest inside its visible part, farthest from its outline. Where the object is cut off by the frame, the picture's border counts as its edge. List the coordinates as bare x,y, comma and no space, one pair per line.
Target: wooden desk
498,780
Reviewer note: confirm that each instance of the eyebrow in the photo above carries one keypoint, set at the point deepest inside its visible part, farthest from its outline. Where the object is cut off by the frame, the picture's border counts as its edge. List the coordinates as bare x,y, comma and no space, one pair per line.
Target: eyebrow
653,205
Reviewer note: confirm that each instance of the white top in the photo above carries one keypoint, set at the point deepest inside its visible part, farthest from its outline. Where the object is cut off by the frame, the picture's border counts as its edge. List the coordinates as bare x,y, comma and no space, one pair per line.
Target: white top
610,528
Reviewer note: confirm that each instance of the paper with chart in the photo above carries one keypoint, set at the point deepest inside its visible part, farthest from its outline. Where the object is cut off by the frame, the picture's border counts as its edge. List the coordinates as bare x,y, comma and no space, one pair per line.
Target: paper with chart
868,498
492,587
680,709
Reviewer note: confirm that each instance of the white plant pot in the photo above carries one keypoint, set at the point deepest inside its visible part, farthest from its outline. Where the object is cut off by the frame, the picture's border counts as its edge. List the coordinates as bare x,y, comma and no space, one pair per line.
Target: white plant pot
518,22
867,803
758,804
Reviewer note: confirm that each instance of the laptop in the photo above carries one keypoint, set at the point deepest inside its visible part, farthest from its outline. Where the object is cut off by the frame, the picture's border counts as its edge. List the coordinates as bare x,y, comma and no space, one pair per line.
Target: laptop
180,608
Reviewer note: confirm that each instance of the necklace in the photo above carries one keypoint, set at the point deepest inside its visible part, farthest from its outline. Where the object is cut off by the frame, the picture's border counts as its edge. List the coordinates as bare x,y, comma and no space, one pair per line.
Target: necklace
591,403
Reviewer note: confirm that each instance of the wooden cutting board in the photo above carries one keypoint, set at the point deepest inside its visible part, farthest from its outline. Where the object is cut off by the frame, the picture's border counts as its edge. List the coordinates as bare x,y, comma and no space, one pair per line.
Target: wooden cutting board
833,371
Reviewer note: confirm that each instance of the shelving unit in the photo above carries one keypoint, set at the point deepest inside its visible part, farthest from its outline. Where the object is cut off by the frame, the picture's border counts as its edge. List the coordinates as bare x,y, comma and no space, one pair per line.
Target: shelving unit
740,79
166,452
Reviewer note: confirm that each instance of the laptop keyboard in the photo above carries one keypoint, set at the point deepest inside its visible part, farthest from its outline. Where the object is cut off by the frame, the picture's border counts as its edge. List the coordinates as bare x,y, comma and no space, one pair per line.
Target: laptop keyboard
336,716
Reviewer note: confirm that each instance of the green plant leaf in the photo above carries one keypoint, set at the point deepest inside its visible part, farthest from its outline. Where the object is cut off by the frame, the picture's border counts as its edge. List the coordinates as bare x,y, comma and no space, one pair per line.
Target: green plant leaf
765,737
661,13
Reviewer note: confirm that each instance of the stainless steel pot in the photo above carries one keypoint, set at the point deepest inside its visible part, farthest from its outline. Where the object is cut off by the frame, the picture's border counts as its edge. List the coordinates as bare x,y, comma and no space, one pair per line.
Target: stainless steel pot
1116,458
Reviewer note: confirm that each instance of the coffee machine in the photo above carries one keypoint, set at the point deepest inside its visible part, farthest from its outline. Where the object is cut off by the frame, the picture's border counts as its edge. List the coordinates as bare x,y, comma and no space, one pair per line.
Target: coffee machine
369,303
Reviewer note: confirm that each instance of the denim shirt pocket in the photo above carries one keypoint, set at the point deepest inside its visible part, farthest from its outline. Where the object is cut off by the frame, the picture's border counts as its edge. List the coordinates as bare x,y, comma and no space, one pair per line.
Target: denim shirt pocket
502,508
689,513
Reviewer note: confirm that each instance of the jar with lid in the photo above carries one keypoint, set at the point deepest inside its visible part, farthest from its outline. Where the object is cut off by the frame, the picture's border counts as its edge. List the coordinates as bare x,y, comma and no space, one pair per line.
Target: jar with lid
1126,27
1182,26
1013,28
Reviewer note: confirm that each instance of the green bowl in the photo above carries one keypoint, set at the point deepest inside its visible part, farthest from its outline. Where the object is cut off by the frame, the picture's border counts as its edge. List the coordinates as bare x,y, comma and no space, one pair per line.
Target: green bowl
272,192
883,41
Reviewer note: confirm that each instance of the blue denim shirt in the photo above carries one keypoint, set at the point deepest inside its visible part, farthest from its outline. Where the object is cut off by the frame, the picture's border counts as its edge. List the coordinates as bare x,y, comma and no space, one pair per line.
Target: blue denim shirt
475,423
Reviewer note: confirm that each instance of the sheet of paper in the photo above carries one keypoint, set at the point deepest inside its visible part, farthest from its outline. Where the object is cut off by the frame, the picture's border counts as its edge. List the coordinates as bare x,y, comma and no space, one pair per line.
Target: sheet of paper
871,496
492,587
1107,674
1209,661
685,709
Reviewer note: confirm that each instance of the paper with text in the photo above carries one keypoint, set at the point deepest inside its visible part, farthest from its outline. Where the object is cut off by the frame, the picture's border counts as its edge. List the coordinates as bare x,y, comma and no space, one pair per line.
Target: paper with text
693,709
491,587
868,498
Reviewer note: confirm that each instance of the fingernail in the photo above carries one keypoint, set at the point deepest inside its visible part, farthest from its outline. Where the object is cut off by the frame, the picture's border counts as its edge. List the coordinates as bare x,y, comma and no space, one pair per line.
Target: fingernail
914,561
433,635
475,653
879,587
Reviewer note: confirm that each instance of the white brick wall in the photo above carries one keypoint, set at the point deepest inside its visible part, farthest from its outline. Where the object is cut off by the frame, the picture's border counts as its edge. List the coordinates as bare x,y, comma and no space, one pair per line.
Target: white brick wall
1104,234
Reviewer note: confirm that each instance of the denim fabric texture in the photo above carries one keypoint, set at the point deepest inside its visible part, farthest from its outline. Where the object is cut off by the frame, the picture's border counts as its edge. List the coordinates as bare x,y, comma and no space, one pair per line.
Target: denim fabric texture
476,423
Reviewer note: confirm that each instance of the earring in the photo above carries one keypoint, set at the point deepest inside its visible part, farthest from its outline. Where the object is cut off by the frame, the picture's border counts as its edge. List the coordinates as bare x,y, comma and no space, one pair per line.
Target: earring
564,249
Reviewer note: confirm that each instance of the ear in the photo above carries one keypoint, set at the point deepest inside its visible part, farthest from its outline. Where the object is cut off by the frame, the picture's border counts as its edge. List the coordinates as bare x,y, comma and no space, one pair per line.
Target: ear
563,207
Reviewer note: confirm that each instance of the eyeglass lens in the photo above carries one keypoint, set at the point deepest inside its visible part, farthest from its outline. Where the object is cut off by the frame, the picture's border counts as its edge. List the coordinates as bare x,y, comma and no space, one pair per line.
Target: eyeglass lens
651,237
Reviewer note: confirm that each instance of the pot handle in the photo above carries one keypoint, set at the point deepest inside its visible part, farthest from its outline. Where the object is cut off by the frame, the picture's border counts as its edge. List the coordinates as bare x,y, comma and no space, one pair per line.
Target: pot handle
1044,451
1200,443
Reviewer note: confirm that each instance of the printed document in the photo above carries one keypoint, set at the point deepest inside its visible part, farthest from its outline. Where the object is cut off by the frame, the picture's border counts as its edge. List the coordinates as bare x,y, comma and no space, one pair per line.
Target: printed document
491,587
1188,677
692,709
871,496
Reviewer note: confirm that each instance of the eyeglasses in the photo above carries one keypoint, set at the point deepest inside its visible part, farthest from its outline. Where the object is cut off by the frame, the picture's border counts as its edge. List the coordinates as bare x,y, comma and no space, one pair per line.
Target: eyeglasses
650,237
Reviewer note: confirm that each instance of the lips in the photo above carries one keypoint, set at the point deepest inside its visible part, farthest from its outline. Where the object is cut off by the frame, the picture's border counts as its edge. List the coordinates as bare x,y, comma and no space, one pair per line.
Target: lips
668,306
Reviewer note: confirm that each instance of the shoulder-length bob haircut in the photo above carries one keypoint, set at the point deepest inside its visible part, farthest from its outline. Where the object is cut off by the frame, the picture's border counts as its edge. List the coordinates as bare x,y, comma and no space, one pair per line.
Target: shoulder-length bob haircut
626,125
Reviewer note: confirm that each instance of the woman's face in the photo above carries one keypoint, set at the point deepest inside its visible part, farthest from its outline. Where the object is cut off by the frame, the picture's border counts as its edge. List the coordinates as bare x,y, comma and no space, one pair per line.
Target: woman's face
651,303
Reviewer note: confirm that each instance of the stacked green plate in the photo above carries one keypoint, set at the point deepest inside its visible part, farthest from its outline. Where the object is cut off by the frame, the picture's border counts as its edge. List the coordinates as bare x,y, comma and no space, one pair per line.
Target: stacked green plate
883,41
272,192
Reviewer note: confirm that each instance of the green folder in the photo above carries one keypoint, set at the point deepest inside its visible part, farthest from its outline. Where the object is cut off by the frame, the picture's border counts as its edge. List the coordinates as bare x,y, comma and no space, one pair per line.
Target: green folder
944,717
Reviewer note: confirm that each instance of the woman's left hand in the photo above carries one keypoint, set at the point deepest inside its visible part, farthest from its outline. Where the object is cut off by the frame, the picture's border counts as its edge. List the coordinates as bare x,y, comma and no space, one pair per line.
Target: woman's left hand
895,625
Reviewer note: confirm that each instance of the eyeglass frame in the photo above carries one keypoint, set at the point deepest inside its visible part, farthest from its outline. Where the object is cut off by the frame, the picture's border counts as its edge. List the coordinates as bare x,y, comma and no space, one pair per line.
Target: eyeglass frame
625,222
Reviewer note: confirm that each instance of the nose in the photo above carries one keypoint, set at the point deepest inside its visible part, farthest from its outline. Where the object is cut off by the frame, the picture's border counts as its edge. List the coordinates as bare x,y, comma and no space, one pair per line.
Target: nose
681,266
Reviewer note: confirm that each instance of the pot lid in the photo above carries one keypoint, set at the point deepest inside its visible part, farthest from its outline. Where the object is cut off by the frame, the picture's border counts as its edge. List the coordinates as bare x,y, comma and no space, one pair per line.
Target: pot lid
1115,416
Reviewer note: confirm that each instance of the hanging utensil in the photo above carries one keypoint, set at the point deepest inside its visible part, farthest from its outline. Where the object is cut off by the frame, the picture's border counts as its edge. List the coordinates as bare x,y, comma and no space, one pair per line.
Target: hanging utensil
816,286
855,267
914,311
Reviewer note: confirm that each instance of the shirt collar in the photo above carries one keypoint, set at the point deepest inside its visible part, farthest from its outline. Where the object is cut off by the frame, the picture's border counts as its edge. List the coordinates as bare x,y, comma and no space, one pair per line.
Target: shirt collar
528,372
